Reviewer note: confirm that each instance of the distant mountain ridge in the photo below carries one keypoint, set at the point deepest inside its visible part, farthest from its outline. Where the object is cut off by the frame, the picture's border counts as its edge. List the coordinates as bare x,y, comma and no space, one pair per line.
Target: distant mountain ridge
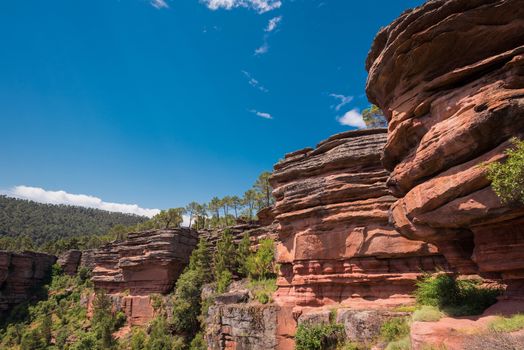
48,222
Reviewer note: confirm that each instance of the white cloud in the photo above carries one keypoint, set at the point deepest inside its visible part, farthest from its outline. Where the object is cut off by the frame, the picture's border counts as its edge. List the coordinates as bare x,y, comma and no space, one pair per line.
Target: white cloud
253,82
353,118
262,49
159,4
273,23
262,114
344,100
261,6
40,195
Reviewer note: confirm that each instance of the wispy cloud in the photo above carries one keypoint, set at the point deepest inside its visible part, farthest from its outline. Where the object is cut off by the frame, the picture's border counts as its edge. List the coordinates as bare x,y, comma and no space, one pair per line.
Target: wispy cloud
344,100
352,118
264,48
253,82
273,24
261,6
41,195
159,4
261,114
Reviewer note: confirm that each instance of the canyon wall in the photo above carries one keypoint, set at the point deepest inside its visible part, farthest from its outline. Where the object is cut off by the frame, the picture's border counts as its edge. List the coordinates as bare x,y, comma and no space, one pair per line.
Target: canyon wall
449,76
20,274
336,246
145,263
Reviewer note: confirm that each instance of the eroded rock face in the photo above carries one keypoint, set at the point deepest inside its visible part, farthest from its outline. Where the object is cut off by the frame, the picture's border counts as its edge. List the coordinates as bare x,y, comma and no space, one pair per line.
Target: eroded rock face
336,245
242,326
20,273
72,260
449,76
146,262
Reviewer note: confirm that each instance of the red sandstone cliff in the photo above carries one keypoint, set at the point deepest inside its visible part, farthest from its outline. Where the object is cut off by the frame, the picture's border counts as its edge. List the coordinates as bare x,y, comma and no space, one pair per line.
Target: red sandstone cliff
336,244
145,263
19,274
450,77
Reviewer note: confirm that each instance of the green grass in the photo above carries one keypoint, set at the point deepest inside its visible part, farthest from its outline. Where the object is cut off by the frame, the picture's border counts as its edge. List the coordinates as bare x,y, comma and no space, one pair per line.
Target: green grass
263,289
403,343
427,314
394,329
508,324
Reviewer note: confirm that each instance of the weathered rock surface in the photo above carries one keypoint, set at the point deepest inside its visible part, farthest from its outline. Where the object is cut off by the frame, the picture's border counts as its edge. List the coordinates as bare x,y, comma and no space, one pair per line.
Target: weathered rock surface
336,245
449,76
72,260
20,273
360,326
146,262
241,326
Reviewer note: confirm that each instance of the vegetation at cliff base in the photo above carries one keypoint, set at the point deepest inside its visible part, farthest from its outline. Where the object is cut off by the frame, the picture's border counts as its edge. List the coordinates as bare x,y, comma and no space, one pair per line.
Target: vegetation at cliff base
508,324
319,336
455,297
507,178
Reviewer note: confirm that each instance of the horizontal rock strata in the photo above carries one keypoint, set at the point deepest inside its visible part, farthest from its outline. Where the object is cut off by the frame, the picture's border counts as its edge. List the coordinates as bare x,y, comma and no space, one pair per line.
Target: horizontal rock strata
336,245
20,274
449,76
144,263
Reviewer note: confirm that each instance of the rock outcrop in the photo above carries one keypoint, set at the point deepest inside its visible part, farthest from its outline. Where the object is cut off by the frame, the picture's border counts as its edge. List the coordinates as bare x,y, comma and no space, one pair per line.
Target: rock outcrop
72,260
146,262
449,76
336,246
20,274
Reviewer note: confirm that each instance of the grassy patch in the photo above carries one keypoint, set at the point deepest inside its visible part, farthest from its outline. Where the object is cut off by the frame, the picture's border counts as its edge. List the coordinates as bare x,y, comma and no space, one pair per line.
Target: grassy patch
403,343
263,289
455,297
406,308
394,329
319,337
508,324
427,314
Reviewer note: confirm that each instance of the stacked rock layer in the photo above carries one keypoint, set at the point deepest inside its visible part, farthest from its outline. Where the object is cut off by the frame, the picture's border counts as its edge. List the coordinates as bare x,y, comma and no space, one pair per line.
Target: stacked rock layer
449,76
20,274
336,245
146,262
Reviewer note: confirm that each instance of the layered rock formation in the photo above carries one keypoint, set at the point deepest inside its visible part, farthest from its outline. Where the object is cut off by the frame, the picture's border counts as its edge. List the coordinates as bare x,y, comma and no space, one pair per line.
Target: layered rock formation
336,245
146,262
20,274
72,260
449,76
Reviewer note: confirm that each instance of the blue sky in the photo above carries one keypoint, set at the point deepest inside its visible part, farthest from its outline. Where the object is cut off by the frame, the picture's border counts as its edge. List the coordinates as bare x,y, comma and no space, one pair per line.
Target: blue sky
161,103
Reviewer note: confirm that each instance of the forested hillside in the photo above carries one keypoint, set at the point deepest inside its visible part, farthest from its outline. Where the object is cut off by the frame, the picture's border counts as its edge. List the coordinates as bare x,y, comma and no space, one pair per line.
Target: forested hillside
46,222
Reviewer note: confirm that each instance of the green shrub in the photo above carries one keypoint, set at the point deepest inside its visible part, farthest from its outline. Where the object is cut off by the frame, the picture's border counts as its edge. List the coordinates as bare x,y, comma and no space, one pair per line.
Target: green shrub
223,281
138,339
427,314
160,337
455,297
401,344
319,337
198,342
260,264
508,324
187,298
243,253
507,179
263,289
394,329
